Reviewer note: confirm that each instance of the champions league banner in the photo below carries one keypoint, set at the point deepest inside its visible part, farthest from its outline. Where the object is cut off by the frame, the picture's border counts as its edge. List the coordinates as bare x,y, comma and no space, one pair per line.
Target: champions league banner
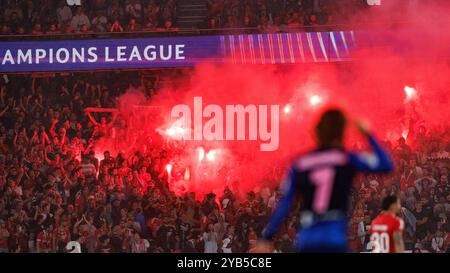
138,53
107,54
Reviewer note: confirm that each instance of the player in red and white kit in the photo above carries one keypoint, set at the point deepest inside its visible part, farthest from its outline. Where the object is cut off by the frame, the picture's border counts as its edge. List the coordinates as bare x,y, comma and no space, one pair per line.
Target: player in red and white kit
387,229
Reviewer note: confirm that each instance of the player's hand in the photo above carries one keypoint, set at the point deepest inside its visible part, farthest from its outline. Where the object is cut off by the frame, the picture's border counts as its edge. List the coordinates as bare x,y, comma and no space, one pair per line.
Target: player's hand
262,247
362,126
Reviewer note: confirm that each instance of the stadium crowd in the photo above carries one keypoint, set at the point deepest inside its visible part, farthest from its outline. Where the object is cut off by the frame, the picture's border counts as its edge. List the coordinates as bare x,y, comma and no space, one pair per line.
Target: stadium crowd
57,17
422,183
20,17
54,190
275,15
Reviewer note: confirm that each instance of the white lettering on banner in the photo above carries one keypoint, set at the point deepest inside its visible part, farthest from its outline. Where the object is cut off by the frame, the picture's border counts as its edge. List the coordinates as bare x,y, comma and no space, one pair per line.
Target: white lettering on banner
153,53
179,52
135,54
24,57
169,53
107,58
8,58
78,55
63,55
40,54
121,53
61,59
93,57
50,59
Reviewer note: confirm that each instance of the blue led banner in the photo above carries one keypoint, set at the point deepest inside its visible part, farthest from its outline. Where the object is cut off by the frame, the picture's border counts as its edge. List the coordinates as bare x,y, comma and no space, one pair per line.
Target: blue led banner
285,48
138,53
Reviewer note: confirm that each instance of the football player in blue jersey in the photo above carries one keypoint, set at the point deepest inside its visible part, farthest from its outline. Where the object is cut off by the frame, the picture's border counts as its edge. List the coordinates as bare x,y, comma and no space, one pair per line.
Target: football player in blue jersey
323,179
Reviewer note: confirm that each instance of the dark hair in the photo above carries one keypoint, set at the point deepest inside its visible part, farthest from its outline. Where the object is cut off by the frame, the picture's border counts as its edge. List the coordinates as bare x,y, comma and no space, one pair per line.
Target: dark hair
103,238
388,201
331,127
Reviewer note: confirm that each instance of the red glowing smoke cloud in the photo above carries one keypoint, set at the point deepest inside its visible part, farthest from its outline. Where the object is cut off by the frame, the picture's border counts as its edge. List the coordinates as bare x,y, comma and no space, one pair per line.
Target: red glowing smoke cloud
372,87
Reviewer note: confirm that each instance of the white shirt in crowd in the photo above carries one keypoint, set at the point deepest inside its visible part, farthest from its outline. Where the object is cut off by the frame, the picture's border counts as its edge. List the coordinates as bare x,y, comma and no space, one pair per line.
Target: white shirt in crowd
272,202
64,14
437,243
226,245
210,240
140,246
363,229
78,20
133,8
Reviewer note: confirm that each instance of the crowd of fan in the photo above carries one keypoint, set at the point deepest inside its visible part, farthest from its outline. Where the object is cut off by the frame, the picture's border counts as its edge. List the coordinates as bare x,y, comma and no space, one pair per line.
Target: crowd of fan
54,190
275,15
19,17
56,17
421,181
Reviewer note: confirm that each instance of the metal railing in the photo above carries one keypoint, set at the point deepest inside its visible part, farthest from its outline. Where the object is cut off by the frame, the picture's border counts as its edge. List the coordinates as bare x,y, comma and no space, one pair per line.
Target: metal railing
197,32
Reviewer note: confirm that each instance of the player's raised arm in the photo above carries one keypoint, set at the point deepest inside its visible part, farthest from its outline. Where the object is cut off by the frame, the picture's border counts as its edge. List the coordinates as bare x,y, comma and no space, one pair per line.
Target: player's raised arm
289,190
377,161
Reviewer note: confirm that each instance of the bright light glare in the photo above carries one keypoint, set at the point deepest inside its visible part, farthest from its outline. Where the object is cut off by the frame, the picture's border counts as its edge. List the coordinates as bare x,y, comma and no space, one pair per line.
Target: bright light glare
405,133
287,109
315,100
187,174
211,155
169,168
174,130
179,130
410,92
201,154
170,132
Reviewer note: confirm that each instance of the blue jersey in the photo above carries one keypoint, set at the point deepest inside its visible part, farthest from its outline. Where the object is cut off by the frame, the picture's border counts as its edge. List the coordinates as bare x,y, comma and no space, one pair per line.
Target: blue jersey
323,179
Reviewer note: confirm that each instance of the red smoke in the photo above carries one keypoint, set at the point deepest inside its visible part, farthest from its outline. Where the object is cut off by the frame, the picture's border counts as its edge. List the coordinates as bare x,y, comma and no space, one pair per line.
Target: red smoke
371,87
